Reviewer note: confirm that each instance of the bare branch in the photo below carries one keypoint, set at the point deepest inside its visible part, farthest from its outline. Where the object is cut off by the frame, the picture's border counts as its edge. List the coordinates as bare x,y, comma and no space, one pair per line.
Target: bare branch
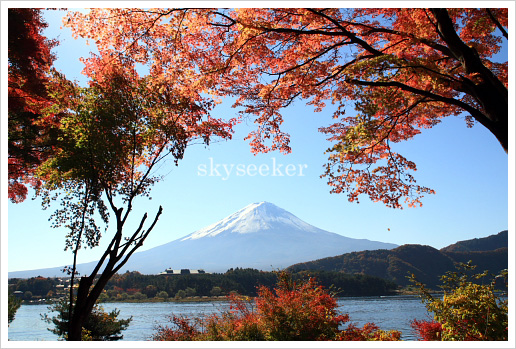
232,22
133,237
140,242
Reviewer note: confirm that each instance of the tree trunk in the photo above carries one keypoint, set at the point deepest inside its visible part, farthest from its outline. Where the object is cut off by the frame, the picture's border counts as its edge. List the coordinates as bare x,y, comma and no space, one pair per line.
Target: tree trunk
86,300
485,87
86,295
79,314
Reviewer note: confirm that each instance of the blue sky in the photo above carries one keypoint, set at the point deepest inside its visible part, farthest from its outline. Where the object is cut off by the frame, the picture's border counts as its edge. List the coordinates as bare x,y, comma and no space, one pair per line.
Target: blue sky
467,168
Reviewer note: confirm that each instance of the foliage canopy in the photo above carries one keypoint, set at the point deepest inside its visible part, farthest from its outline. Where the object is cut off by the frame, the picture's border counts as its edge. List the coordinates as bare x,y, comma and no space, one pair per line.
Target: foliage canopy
31,132
113,136
402,70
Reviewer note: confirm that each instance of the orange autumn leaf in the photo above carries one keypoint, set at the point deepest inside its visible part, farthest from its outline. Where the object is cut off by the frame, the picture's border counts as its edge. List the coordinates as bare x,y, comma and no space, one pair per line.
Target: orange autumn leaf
402,70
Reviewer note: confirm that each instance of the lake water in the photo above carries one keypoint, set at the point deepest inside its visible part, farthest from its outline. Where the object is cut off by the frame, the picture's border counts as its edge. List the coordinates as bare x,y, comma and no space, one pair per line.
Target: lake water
389,313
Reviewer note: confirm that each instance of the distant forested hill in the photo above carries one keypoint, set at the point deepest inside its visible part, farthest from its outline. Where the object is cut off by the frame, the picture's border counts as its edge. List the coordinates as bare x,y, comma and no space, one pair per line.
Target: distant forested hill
426,262
490,243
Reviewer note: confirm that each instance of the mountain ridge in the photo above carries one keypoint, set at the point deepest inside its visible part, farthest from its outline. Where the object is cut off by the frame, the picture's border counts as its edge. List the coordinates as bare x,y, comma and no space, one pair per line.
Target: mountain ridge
260,236
426,262
489,243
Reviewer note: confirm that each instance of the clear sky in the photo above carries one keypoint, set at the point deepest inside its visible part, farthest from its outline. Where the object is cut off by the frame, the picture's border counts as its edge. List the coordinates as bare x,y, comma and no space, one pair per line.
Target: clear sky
467,168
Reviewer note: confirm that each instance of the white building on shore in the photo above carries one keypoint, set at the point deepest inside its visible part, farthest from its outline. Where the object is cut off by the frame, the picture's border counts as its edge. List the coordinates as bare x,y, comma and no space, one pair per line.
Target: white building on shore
171,271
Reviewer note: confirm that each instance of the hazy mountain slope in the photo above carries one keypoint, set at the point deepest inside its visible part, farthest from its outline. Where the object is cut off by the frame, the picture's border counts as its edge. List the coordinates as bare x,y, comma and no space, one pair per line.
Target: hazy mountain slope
261,236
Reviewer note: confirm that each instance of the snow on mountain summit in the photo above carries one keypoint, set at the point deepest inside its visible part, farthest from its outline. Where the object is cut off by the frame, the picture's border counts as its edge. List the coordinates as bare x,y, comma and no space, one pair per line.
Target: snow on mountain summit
262,236
253,218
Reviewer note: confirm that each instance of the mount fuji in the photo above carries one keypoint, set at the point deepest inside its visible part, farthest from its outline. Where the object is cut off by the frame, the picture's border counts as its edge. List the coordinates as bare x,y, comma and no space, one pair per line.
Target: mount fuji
260,235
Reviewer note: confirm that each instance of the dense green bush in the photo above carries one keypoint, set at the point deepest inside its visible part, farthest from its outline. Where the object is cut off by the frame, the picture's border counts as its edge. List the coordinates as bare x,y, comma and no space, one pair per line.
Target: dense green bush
162,294
99,326
14,304
216,291
180,294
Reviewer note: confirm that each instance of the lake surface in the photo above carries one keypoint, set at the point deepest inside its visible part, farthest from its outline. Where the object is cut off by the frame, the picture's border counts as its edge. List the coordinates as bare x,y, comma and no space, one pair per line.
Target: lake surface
389,313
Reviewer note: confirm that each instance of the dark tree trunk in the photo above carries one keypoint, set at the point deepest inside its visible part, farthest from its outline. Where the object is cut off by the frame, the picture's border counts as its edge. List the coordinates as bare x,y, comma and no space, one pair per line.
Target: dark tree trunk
86,294
85,302
488,91
79,314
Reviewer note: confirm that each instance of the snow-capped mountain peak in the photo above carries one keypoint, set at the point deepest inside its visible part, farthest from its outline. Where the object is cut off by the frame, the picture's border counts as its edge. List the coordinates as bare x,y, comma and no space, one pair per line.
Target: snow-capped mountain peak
256,217
261,236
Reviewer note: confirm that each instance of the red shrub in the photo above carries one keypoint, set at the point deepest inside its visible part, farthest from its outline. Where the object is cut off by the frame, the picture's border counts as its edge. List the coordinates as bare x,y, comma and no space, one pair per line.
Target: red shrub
290,312
427,330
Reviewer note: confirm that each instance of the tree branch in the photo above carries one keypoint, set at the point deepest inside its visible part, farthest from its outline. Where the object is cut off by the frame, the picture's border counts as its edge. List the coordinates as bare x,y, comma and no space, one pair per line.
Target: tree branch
107,252
468,56
133,237
497,23
479,116
140,243
232,22
353,37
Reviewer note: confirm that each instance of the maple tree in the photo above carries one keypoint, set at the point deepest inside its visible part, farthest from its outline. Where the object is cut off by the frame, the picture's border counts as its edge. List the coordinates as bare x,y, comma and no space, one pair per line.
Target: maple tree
31,132
114,133
298,311
402,70
293,311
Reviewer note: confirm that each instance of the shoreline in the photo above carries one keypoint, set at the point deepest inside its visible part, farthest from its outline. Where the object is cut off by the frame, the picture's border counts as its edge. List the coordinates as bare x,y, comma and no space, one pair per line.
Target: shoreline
200,299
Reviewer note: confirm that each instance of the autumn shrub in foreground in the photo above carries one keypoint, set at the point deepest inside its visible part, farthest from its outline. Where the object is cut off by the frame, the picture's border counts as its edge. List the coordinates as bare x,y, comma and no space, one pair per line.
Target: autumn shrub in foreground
368,332
290,312
469,310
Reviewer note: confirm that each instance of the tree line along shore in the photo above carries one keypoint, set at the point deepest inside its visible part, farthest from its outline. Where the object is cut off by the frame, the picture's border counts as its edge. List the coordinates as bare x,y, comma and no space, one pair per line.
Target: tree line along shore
137,287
